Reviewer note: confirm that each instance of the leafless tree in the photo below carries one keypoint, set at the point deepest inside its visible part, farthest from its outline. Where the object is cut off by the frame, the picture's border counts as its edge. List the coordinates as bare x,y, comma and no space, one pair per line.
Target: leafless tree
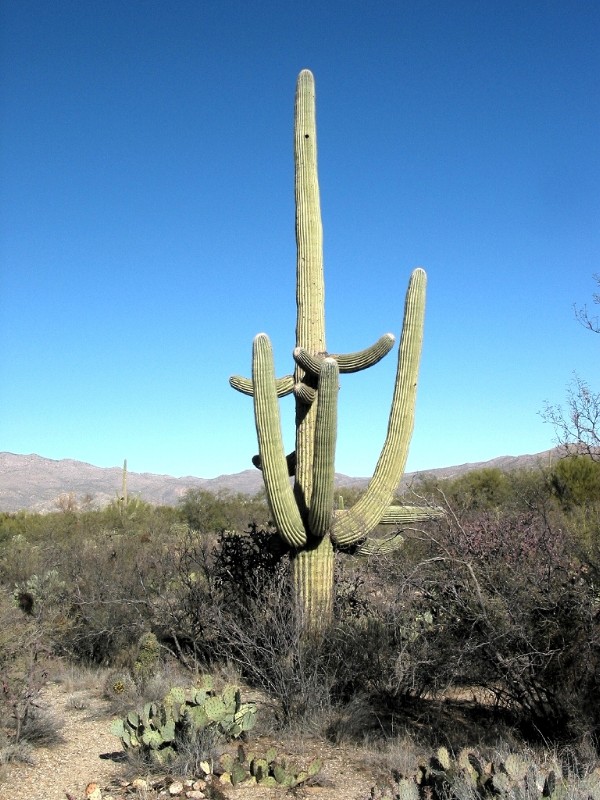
577,424
582,314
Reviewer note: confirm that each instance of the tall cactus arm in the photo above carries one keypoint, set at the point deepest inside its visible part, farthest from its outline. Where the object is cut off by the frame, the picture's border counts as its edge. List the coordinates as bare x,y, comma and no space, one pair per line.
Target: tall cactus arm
366,513
347,362
270,443
246,386
321,506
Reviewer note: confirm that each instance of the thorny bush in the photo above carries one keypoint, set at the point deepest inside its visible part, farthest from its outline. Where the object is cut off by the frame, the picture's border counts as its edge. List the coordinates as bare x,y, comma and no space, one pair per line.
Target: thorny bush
514,612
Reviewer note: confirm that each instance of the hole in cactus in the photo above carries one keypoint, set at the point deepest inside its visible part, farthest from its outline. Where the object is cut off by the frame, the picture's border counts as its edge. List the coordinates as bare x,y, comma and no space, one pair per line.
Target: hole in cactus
307,136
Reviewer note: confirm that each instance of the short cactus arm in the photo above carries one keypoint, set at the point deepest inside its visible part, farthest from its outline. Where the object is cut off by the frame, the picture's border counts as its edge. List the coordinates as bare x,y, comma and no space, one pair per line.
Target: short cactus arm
304,393
270,443
362,359
367,512
394,515
347,362
403,515
290,461
321,506
379,547
246,386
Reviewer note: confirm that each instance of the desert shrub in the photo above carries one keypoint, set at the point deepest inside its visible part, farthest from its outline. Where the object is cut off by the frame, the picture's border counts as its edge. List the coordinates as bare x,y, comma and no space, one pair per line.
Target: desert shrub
513,612
575,481
487,489
207,512
477,489
21,523
273,655
42,728
245,564
19,560
92,598
24,663
212,577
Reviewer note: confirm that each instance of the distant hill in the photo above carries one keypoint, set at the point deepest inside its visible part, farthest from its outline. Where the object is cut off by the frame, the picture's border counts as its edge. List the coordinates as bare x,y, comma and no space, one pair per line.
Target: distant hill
34,483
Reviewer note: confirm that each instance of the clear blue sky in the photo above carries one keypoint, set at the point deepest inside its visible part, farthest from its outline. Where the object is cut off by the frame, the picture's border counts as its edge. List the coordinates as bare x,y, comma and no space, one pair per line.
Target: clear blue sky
147,219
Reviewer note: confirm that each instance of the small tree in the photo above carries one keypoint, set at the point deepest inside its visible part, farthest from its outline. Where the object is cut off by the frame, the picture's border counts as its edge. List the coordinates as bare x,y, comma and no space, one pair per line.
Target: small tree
577,426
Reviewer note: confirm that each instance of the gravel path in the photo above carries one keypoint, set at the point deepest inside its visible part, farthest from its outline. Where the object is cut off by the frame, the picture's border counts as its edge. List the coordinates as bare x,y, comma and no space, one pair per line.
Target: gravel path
69,767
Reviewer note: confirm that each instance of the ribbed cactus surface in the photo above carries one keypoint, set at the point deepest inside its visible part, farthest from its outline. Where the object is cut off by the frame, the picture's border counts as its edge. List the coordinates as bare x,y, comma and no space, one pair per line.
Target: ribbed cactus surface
304,512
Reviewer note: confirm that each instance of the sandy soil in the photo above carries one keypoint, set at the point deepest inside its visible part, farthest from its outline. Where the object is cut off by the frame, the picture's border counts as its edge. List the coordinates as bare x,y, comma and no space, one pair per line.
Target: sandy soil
90,754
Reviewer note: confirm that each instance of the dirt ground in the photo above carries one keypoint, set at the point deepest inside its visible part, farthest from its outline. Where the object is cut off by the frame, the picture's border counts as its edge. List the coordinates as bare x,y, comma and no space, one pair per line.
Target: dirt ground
90,757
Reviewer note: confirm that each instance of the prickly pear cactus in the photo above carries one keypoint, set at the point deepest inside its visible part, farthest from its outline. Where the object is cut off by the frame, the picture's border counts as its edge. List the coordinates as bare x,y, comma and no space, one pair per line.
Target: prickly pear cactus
268,770
304,514
148,659
157,730
469,776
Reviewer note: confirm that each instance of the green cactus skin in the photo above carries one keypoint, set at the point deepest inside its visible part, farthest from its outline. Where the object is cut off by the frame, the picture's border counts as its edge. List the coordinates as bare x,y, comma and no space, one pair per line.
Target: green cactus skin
402,515
407,789
270,442
364,516
320,514
469,775
148,658
271,770
155,731
304,514
283,386
349,362
379,547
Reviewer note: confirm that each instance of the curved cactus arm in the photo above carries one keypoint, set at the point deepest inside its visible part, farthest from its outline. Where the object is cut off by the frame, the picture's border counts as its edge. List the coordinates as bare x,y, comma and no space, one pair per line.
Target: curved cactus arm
305,393
270,443
362,359
308,362
321,506
347,362
283,386
366,513
399,515
378,547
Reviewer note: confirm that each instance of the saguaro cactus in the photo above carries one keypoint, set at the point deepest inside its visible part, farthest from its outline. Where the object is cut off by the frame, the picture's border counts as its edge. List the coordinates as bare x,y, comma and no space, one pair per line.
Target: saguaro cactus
304,512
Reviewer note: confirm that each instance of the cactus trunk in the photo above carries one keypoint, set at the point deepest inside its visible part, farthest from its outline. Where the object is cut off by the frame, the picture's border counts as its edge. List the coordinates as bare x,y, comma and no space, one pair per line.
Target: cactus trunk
310,284
312,571
312,574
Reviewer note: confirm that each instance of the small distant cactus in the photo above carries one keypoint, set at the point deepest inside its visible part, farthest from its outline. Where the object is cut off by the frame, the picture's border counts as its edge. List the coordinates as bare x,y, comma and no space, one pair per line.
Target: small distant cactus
157,730
148,659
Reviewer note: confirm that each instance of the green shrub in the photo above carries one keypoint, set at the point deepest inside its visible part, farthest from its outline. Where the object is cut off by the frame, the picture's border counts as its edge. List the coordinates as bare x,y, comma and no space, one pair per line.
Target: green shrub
575,481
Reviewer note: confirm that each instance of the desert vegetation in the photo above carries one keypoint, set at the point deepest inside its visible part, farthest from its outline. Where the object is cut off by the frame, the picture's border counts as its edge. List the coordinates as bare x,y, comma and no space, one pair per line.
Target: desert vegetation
481,632
463,648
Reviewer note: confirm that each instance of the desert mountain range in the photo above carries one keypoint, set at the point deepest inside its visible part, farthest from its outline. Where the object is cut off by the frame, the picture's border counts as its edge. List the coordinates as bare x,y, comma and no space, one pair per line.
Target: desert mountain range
35,483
